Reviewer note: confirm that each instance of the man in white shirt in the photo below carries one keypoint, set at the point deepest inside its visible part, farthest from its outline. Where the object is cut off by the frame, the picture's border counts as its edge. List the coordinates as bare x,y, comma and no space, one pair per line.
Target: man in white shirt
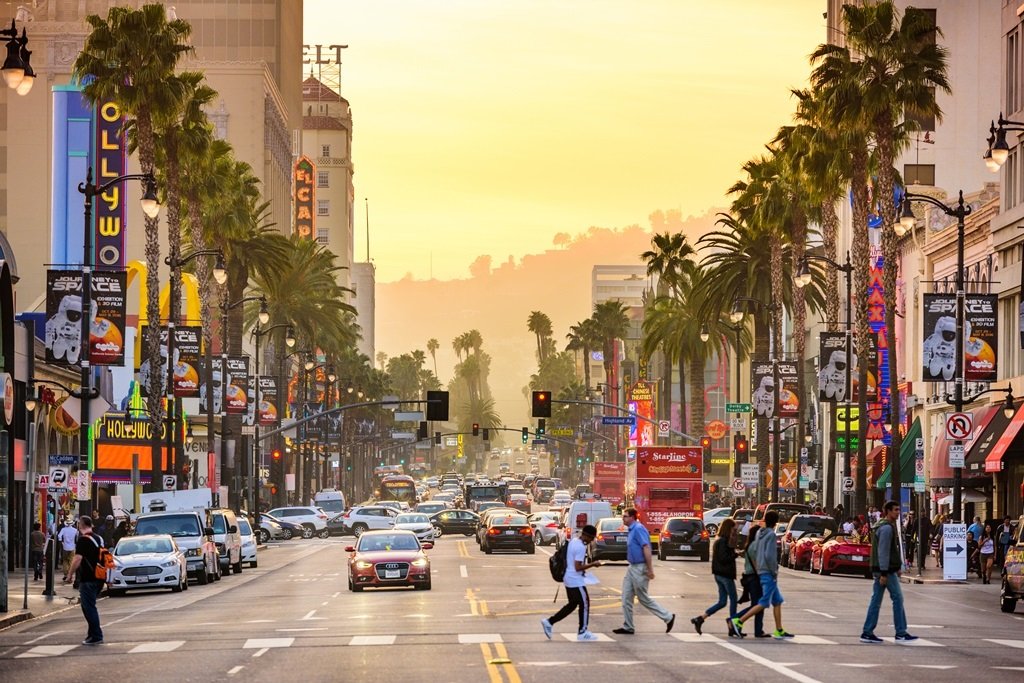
67,536
574,580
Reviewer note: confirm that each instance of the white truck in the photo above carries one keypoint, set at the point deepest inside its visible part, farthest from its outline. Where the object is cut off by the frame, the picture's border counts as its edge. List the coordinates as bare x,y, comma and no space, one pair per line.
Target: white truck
185,516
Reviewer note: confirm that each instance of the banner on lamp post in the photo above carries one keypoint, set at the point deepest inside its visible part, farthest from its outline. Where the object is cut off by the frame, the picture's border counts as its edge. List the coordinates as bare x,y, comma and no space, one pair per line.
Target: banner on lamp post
268,400
217,376
107,317
236,386
981,347
832,372
787,380
187,350
764,396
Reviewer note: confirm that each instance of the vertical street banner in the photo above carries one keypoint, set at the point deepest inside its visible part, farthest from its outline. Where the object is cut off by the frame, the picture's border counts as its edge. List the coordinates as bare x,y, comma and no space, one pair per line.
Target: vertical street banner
64,311
788,389
640,402
268,400
305,198
939,346
187,352
236,386
212,381
313,427
871,358
249,418
763,394
981,346
111,162
832,368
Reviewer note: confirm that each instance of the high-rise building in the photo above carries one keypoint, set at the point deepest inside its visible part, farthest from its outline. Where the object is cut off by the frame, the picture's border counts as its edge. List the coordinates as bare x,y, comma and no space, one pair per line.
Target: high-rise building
364,282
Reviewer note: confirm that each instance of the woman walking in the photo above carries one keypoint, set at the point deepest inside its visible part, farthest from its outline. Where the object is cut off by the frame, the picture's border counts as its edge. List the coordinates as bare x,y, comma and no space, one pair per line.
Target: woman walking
987,553
723,567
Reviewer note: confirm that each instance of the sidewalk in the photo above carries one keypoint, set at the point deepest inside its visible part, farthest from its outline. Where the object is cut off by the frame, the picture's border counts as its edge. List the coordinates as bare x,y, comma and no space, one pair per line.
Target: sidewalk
38,604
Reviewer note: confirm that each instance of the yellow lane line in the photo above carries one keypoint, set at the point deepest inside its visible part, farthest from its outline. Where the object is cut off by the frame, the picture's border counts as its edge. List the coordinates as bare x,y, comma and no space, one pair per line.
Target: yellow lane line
509,668
492,669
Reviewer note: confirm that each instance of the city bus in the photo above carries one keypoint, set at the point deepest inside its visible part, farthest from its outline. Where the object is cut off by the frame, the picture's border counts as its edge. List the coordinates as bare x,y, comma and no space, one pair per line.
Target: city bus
400,487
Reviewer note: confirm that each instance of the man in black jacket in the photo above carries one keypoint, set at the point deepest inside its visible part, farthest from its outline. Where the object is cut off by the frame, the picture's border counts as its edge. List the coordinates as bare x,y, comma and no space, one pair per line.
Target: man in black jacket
886,563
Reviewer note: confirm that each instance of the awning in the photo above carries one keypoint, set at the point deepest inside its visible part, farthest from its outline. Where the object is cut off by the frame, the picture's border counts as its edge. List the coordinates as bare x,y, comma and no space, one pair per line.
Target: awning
974,461
939,472
907,449
994,460
966,496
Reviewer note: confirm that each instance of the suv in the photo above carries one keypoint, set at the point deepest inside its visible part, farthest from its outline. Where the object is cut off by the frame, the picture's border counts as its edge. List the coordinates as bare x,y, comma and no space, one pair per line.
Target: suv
369,517
312,519
192,533
1012,588
228,540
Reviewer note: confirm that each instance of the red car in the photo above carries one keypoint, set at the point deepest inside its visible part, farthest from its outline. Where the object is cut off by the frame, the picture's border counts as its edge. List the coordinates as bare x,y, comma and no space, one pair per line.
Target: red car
800,552
843,553
518,501
383,559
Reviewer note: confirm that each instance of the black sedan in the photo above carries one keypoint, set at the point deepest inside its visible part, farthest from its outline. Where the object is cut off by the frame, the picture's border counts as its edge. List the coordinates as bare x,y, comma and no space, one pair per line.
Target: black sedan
291,529
610,542
684,536
455,522
336,526
508,532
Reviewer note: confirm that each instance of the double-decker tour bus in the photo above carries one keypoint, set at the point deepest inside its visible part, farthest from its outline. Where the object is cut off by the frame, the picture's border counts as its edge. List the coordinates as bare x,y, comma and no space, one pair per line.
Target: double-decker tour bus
663,482
608,480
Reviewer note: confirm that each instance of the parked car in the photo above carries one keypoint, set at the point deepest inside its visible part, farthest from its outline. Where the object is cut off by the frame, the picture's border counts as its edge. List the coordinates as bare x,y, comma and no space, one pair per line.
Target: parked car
455,522
190,532
384,559
841,553
369,518
228,540
713,519
270,529
801,526
248,543
800,552
289,530
610,542
684,537
313,519
152,561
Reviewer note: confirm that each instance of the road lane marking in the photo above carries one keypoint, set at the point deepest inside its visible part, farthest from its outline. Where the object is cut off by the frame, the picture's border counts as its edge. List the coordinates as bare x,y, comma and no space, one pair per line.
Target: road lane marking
471,638
291,630
323,604
260,621
463,551
235,669
810,640
267,643
259,653
492,669
309,616
372,640
1008,643
769,664
157,646
45,635
623,662
694,638
940,667
551,663
336,594
857,665
46,651
920,642
462,571
820,614
601,637
692,576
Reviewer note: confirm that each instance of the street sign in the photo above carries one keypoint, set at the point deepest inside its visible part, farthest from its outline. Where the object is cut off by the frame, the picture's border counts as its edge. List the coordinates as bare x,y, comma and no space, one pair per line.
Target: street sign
540,442
847,484
44,482
409,416
737,485
749,473
60,475
954,552
561,431
919,466
664,428
170,482
720,461
450,441
624,420
956,455
83,485
737,407
959,426
738,423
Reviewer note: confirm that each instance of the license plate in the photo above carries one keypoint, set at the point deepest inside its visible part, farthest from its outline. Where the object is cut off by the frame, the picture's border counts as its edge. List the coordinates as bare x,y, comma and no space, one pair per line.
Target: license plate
859,558
684,547
510,532
392,573
620,539
140,579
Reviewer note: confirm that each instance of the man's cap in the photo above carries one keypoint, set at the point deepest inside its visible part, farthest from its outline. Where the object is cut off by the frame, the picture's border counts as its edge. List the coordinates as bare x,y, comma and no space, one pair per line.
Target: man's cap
589,530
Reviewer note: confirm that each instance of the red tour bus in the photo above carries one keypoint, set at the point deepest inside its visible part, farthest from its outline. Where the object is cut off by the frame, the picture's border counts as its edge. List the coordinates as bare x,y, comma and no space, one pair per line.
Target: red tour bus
608,480
663,482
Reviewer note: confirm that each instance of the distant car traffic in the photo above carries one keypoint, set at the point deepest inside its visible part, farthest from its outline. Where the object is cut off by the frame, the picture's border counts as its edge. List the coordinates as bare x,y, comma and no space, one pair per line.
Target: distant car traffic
416,522
313,519
148,562
610,542
431,506
519,501
713,519
384,559
368,518
545,527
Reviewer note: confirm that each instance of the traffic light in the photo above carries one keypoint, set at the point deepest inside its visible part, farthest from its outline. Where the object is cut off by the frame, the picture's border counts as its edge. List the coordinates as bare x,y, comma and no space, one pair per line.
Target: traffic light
276,455
705,444
437,406
713,487
476,429
741,447
422,432
437,438
273,489
542,404
541,426
487,434
526,435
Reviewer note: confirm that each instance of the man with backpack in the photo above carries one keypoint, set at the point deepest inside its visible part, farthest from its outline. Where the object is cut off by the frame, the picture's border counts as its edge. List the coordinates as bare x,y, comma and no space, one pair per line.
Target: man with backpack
886,565
90,564
571,560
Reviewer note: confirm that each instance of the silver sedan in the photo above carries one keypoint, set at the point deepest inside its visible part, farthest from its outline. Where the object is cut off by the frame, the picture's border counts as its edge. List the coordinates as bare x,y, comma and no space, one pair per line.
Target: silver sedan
545,527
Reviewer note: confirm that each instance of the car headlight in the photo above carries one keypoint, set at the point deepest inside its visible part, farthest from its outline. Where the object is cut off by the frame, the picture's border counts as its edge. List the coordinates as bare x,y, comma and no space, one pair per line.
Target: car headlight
169,563
422,562
363,565
194,552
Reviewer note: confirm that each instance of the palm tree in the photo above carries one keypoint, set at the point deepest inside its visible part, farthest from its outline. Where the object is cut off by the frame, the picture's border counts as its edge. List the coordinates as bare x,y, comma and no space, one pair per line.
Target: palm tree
667,259
130,57
432,346
540,325
610,323
583,337
382,359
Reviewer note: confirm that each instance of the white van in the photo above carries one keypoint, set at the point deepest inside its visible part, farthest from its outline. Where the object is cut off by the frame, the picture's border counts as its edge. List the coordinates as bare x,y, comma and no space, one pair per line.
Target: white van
330,501
581,513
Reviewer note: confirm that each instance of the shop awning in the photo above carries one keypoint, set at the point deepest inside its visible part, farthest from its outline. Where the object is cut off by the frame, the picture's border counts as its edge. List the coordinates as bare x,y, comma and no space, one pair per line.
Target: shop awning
974,462
939,471
906,460
994,459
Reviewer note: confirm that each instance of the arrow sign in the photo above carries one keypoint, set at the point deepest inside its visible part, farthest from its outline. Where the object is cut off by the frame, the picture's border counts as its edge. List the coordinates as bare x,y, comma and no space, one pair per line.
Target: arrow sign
627,420
957,549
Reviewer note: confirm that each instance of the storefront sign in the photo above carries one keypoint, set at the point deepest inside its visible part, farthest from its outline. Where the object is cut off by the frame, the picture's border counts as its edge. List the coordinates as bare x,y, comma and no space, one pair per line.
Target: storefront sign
305,198
111,162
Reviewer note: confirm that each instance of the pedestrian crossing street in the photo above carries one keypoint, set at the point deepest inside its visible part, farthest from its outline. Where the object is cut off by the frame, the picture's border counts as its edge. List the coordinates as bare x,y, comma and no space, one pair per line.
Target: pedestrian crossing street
261,645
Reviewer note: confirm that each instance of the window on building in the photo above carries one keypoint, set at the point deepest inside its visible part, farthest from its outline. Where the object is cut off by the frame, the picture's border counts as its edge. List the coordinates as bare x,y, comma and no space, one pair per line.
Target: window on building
322,179
325,150
1012,170
321,235
1013,73
323,207
919,174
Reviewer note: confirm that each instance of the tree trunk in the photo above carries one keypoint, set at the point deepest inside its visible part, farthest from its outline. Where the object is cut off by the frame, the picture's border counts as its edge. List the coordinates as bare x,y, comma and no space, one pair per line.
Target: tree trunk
586,368
173,179
684,423
761,351
799,337
697,396
830,235
861,272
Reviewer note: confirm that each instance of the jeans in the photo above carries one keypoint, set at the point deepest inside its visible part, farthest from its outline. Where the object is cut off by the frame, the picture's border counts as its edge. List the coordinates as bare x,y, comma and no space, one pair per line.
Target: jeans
37,563
753,584
88,591
635,584
899,616
726,592
578,599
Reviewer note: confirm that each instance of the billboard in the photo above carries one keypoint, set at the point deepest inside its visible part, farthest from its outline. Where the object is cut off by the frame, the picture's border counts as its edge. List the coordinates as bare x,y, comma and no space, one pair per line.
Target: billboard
832,369
640,402
236,386
982,346
305,198
110,207
940,337
64,311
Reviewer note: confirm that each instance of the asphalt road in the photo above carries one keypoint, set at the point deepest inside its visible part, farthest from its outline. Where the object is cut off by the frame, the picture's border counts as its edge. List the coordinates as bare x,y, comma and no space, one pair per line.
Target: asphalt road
294,619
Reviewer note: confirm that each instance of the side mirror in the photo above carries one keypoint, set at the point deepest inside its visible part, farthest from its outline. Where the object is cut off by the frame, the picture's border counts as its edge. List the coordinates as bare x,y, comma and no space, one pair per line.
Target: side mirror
427,546
350,549
208,531
232,529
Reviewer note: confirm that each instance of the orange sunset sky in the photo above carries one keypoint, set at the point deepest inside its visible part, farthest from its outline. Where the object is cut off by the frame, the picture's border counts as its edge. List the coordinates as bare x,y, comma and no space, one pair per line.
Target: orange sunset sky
488,126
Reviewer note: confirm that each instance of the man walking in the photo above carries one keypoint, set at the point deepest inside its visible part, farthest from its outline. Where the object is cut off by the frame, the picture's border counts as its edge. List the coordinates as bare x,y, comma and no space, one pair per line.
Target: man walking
68,537
764,555
37,542
1004,538
638,576
87,557
885,566
977,528
575,585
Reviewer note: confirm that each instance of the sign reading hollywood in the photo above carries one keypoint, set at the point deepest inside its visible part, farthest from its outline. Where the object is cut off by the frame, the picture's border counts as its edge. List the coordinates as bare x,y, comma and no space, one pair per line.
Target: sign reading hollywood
110,206
236,386
305,198
64,310
187,346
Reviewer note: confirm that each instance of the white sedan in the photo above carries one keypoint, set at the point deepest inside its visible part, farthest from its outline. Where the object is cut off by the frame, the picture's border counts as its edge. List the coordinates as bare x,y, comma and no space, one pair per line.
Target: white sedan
248,543
713,518
153,561
418,523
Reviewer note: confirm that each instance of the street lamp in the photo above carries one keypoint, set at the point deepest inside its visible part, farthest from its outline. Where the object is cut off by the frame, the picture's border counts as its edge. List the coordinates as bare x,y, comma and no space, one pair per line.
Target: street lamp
960,211
803,279
17,70
258,333
704,334
89,190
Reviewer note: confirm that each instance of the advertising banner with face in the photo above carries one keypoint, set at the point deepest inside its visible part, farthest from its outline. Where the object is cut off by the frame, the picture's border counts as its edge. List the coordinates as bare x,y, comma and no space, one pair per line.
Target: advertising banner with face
249,418
939,347
764,397
217,377
187,351
788,377
145,367
236,386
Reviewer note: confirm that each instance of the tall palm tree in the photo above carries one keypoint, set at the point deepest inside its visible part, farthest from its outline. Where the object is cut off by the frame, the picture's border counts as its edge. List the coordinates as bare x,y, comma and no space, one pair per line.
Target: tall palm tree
667,258
130,57
432,346
611,324
540,325
583,336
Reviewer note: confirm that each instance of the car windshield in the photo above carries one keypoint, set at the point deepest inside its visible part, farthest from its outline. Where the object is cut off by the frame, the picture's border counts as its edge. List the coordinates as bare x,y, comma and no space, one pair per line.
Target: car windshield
517,496
175,525
134,546
489,505
331,505
684,525
812,525
244,528
611,525
219,526
383,542
412,519
544,515
508,520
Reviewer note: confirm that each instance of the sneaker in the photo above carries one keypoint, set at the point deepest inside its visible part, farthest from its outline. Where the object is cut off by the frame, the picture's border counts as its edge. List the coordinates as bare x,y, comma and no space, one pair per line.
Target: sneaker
870,638
905,638
732,629
90,641
697,623
546,625
586,636
670,624
779,634
623,631
737,625
762,635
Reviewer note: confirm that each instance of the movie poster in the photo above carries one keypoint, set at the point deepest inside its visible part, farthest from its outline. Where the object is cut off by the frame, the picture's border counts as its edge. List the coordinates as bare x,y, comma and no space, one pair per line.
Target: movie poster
763,394
268,400
833,368
145,367
982,347
217,377
236,386
980,337
788,376
187,352
249,418
63,330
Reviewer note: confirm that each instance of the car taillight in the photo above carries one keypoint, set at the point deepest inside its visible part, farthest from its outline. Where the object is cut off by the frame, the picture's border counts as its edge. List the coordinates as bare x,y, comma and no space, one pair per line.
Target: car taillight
527,531
347,513
704,534
666,536
493,532
600,537
552,525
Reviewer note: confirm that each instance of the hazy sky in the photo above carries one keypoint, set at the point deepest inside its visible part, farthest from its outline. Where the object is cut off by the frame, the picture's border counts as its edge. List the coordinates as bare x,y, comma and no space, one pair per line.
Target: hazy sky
488,126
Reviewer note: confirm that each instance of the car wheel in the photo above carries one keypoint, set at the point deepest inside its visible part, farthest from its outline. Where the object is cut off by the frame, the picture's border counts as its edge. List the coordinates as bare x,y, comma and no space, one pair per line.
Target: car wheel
358,529
237,567
308,530
177,588
203,577
712,529
438,532
537,538
324,533
264,536
254,564
822,570
661,554
531,550
1006,604
468,533
487,550
287,535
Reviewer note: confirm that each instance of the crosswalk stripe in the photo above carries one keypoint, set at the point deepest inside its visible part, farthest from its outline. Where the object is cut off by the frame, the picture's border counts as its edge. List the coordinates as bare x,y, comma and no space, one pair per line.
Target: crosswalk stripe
46,651
469,638
601,637
811,640
1019,644
920,642
372,640
157,646
694,638
261,643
